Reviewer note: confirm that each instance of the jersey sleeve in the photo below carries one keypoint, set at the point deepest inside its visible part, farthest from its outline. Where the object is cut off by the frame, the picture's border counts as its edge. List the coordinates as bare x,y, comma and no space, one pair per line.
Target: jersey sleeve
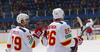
65,37
29,40
91,24
9,42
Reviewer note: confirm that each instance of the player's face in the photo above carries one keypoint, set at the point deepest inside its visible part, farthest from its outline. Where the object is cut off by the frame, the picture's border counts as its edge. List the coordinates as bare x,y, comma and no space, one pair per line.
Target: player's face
27,22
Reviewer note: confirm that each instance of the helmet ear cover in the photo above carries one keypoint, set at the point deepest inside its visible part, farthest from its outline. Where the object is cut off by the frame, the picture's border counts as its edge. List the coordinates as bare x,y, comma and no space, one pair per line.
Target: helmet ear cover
21,21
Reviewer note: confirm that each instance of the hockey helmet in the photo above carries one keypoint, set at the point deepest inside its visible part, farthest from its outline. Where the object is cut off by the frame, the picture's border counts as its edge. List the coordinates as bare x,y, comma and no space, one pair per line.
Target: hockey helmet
58,13
22,16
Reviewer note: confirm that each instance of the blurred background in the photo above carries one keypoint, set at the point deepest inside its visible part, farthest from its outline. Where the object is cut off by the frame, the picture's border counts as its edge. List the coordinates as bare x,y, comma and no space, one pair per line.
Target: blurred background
40,12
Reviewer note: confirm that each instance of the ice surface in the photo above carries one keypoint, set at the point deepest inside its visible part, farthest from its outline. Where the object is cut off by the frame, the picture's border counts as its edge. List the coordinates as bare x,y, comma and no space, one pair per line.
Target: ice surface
90,46
87,46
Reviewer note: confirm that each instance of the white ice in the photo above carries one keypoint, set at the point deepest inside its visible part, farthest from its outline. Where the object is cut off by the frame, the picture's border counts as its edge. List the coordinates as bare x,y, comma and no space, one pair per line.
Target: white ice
87,46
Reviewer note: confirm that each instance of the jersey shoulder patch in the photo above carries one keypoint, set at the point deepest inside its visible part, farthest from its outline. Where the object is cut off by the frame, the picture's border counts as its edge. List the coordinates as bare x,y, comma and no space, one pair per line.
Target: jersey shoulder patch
22,29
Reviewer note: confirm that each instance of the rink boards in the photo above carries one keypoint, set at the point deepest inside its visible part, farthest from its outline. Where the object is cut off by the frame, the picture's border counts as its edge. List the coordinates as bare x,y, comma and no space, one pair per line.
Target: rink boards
75,33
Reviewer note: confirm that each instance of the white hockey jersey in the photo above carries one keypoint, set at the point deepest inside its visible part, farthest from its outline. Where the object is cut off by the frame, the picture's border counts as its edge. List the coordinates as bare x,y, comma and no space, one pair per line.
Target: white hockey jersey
59,37
21,40
89,24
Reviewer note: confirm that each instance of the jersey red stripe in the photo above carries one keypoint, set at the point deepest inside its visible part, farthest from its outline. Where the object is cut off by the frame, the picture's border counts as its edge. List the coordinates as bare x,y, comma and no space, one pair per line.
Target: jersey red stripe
33,44
66,43
8,45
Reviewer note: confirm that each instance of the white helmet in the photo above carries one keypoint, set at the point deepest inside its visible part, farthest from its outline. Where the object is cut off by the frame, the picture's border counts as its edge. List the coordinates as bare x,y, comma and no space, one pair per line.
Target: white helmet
22,16
58,13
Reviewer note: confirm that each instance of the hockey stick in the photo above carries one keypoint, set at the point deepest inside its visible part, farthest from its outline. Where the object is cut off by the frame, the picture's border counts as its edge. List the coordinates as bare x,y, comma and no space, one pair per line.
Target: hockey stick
81,36
82,31
81,24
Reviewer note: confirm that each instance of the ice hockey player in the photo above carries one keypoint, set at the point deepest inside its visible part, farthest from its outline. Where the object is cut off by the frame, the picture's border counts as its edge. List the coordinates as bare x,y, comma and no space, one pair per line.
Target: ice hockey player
20,38
89,31
57,36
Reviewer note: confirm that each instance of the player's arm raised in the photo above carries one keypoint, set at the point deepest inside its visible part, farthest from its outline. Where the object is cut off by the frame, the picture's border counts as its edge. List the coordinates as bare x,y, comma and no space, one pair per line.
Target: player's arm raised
33,40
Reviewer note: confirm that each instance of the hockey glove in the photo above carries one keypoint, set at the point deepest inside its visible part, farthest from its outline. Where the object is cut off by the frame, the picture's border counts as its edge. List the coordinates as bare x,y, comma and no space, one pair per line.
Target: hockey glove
78,41
38,32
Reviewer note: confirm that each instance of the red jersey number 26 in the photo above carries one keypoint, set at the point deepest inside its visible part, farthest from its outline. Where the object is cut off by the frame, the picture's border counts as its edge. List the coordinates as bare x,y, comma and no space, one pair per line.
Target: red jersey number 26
51,38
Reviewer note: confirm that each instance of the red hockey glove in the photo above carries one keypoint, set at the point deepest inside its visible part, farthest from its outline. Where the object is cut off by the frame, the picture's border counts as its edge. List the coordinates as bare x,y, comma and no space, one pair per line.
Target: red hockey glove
78,40
38,32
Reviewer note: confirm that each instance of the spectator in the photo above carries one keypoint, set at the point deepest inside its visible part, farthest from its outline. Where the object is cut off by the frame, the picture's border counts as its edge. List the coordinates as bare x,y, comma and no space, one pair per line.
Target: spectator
29,13
20,11
5,28
74,5
49,12
63,6
40,23
60,5
75,23
48,21
31,26
8,26
37,7
1,15
75,10
69,6
94,5
0,8
24,6
45,7
12,25
99,4
84,21
35,26
45,25
2,25
35,1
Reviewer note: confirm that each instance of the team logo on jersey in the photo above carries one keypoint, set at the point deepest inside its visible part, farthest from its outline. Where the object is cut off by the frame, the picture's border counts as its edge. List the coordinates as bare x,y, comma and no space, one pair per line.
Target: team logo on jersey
31,40
68,36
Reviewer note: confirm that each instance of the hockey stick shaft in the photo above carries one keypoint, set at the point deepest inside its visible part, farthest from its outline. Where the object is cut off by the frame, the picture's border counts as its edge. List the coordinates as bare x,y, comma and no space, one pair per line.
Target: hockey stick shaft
81,24
84,30
81,36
